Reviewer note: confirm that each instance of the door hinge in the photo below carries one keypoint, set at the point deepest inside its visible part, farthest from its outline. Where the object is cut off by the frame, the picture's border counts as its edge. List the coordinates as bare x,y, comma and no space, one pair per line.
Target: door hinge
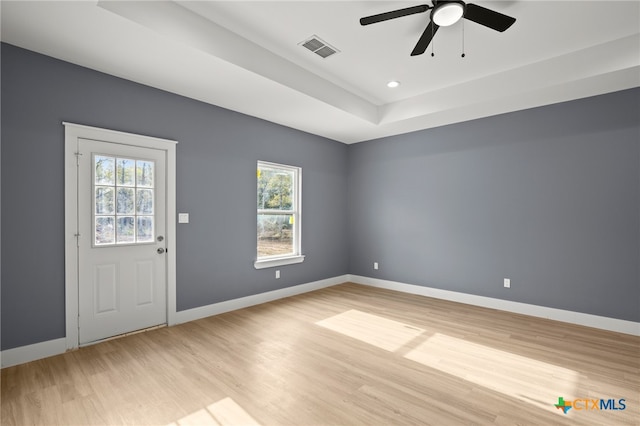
77,239
77,154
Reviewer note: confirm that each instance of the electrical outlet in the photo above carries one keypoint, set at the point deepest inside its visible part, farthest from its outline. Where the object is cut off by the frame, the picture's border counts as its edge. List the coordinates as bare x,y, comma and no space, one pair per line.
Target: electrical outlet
375,265
507,283
277,274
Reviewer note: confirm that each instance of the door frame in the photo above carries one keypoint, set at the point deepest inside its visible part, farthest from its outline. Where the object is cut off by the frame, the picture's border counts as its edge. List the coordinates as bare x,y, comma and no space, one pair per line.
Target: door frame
72,134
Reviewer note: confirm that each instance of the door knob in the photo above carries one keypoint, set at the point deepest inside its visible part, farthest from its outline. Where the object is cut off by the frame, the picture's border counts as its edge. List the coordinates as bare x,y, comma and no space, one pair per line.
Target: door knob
160,250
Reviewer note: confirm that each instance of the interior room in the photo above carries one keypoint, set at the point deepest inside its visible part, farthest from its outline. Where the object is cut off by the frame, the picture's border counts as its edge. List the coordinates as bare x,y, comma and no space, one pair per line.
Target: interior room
320,212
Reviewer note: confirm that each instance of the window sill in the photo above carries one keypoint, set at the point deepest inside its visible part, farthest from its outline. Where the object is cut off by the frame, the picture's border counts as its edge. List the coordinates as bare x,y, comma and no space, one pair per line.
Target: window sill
280,261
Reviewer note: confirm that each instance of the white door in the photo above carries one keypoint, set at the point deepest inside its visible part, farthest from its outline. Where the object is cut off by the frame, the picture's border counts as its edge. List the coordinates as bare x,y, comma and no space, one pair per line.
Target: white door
122,277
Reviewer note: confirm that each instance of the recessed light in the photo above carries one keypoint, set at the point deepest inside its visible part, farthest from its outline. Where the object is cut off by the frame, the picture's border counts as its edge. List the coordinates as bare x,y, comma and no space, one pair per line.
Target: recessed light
392,84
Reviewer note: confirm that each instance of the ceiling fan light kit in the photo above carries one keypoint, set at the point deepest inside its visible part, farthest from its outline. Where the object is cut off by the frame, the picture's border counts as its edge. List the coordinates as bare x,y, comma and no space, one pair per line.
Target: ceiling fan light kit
445,13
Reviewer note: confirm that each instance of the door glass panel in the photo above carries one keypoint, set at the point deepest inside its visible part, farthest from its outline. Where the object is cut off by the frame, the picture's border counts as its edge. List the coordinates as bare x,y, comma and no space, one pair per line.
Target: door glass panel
124,193
144,174
126,198
104,200
125,229
144,229
125,175
105,170
104,230
144,201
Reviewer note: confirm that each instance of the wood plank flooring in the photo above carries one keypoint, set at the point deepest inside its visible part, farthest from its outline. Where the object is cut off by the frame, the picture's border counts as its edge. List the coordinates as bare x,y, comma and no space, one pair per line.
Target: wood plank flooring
345,355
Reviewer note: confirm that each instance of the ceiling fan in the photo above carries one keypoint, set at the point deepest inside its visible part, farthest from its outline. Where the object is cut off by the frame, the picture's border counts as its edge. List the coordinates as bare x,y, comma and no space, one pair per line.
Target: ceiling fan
443,14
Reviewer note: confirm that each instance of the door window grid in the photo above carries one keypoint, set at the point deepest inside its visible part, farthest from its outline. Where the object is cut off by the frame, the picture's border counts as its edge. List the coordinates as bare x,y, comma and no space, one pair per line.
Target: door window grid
123,209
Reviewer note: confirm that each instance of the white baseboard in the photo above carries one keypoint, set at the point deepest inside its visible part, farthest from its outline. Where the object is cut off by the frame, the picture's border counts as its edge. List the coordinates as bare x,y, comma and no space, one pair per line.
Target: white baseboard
588,320
24,354
256,299
28,353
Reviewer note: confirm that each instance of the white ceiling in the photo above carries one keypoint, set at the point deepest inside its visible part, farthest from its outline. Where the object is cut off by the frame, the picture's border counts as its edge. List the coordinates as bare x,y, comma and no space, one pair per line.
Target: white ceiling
246,56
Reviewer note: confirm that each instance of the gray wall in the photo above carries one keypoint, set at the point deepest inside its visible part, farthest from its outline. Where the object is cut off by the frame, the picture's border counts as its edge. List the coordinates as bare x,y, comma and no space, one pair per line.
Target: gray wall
216,162
549,197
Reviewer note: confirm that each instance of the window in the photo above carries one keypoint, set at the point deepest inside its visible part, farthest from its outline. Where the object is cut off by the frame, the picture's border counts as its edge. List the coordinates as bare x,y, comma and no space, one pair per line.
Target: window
278,217
123,191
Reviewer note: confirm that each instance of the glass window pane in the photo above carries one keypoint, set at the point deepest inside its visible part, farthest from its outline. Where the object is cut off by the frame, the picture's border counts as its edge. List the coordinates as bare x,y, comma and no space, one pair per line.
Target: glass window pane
125,201
144,173
144,201
104,200
125,172
125,229
104,170
275,188
145,229
275,235
104,230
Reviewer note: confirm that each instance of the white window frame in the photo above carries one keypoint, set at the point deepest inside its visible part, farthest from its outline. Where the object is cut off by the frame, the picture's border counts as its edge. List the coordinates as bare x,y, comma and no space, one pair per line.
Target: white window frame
297,256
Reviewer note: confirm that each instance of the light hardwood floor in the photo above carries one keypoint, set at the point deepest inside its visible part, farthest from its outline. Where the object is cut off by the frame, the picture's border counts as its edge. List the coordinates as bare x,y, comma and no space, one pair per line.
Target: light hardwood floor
345,355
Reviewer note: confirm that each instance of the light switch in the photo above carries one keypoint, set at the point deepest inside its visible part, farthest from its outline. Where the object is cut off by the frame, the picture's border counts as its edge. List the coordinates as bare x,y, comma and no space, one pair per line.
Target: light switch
183,217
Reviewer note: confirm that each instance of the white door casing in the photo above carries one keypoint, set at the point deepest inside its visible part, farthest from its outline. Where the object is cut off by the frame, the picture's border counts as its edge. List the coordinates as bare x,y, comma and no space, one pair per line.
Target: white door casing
116,288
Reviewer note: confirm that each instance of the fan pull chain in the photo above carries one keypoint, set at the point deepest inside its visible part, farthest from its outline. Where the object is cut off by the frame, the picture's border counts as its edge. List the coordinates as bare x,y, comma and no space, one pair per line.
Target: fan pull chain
432,41
463,38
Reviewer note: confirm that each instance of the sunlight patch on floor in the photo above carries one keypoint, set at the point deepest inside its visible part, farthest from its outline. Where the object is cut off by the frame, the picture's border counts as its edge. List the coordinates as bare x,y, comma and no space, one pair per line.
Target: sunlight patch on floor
526,379
372,329
221,413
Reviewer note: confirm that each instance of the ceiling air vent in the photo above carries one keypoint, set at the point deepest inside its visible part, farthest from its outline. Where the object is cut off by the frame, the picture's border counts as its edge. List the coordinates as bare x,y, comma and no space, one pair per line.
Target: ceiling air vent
319,47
